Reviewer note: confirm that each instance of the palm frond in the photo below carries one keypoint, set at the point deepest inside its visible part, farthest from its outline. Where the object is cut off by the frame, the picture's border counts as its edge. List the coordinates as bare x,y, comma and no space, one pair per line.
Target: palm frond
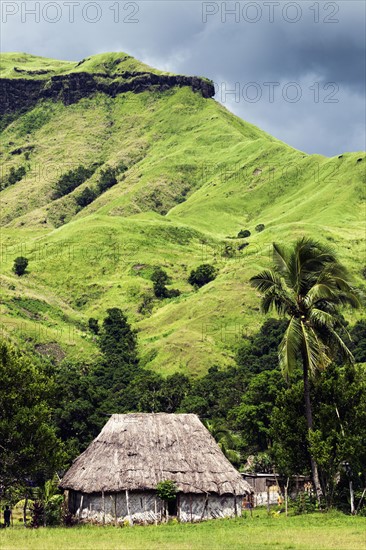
275,294
320,318
342,348
319,292
315,352
266,280
290,347
280,258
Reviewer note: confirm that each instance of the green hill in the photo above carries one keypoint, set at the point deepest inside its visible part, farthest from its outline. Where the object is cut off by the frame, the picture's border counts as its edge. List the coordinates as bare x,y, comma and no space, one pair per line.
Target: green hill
190,175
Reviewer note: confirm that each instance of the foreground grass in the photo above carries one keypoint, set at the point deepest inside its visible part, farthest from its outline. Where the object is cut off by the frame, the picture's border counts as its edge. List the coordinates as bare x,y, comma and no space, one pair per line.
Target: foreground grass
311,532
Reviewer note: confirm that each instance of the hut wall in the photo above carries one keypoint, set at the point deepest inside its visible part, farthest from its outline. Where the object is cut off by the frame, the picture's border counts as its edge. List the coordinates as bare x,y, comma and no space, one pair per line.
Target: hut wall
195,507
113,508
146,507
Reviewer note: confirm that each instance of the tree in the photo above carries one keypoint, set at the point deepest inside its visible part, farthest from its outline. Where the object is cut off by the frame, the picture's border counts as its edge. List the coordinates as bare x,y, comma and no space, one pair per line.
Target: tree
20,265
309,285
29,447
77,409
228,441
72,179
243,233
160,278
118,344
204,274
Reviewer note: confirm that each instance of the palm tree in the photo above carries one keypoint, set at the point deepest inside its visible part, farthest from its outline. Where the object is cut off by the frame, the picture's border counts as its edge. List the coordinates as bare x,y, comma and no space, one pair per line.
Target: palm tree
309,285
227,441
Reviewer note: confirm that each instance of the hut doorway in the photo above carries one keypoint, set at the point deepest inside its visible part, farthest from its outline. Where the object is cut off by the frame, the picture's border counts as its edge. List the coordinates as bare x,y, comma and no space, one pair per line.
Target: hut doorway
173,507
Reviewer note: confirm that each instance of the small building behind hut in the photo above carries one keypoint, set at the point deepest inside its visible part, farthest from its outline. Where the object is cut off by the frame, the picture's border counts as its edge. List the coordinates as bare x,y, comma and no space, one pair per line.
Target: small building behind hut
115,479
268,489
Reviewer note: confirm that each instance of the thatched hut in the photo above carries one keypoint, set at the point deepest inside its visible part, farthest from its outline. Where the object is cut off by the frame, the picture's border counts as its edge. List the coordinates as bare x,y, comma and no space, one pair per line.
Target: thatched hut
115,479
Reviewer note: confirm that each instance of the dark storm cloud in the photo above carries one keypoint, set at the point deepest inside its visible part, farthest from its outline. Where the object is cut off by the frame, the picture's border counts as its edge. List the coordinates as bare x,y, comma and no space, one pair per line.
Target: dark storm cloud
317,46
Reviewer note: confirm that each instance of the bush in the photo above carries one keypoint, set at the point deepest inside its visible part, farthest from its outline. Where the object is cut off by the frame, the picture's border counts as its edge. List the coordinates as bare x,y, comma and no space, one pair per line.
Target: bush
244,233
107,179
71,180
259,227
204,274
172,293
20,265
167,490
93,325
305,503
53,510
86,197
147,304
160,279
15,175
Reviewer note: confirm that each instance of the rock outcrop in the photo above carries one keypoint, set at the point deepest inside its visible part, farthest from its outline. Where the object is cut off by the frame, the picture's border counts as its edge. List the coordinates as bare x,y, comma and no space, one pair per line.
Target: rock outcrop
20,94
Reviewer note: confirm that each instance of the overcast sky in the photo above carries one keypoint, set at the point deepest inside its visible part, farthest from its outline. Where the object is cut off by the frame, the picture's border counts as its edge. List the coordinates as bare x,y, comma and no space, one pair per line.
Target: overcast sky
295,69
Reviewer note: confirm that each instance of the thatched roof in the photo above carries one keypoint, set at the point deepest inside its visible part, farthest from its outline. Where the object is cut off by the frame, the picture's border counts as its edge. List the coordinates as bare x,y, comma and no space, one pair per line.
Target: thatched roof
137,451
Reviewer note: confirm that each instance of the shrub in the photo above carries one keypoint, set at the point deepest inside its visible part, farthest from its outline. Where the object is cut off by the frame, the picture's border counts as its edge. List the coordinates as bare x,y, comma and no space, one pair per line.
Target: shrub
242,245
259,227
107,179
53,510
204,274
93,325
305,503
86,197
167,490
244,233
172,293
20,265
15,175
160,278
147,304
71,180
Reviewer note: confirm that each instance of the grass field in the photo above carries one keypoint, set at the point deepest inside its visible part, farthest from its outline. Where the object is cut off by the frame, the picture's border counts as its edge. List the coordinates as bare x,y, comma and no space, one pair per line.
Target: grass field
331,531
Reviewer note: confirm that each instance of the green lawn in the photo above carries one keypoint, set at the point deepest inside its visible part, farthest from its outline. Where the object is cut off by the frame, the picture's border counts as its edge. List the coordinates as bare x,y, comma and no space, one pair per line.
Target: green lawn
311,532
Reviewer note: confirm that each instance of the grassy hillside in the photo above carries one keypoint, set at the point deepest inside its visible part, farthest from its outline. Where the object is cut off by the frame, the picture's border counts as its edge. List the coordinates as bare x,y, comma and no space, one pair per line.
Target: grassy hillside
193,176
23,65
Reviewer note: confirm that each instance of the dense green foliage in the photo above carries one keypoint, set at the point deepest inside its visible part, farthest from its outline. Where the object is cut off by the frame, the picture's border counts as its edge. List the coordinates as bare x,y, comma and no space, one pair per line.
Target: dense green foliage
249,408
85,197
72,179
29,447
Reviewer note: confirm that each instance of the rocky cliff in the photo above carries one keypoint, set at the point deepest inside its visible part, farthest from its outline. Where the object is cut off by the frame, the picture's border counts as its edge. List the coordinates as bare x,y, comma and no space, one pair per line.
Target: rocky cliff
21,94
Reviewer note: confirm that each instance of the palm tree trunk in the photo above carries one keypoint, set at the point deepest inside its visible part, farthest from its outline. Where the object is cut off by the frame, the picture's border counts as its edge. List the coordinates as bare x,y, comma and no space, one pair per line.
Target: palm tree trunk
309,420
